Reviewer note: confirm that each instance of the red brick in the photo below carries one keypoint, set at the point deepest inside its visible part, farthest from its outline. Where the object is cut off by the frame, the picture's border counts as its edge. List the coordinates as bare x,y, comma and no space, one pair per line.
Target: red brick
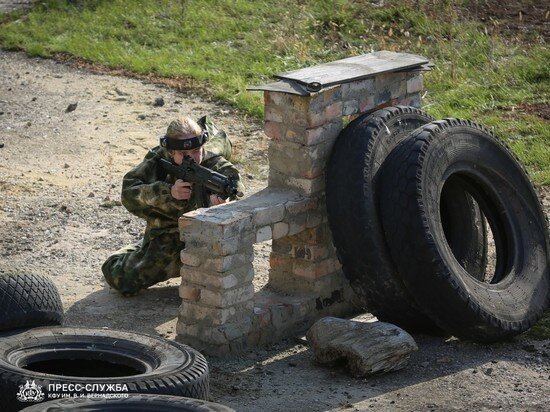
273,130
315,270
189,293
334,110
273,114
280,262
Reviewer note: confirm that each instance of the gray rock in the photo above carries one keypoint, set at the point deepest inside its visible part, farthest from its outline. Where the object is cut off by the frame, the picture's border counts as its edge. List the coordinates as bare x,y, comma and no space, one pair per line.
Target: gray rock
368,347
120,92
71,107
159,101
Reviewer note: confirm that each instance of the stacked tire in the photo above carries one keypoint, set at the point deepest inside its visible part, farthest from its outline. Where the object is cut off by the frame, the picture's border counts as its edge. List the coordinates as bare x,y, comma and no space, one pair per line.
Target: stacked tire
56,362
410,203
91,367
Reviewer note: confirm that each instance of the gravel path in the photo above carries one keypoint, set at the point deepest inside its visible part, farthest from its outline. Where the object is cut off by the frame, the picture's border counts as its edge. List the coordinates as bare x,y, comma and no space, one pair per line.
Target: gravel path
11,5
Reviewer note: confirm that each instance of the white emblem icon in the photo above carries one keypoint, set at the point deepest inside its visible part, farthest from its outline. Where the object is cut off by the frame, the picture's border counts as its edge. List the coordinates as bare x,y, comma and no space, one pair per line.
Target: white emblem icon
30,392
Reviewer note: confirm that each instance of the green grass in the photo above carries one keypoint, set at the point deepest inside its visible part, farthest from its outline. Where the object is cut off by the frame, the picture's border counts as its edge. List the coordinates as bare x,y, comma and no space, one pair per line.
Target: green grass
227,45
541,330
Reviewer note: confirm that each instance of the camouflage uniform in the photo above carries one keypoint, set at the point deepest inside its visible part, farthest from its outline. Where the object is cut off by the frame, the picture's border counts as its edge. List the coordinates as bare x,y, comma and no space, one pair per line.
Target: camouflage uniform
146,192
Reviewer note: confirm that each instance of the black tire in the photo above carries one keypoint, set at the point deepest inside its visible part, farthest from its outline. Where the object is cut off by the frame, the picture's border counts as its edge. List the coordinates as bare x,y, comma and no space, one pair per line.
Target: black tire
465,228
413,177
27,301
129,362
352,206
152,403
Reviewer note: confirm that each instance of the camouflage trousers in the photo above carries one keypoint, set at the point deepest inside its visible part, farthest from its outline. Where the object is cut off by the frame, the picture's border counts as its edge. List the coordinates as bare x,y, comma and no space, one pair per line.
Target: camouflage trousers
136,267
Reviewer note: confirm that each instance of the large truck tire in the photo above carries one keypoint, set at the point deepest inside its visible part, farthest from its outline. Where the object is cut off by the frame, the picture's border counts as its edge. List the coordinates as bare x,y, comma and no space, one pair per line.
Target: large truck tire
82,362
452,152
352,192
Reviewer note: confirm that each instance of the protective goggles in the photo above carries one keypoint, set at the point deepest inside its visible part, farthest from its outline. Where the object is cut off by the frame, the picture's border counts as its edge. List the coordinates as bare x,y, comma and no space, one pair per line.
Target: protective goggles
184,144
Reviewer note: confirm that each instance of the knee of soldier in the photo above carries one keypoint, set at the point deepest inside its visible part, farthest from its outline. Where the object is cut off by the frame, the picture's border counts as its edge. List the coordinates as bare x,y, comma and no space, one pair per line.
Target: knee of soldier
121,282
107,266
123,286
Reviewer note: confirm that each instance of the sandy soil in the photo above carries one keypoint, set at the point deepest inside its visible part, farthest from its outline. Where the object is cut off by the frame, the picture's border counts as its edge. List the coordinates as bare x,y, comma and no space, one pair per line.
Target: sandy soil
60,176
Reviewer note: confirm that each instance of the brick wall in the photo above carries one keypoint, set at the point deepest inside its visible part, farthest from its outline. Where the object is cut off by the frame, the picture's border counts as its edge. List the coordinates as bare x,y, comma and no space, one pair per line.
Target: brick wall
220,313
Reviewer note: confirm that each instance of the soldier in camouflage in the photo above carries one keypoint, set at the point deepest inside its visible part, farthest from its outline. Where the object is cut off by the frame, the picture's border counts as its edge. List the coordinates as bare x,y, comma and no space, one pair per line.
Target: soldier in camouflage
150,193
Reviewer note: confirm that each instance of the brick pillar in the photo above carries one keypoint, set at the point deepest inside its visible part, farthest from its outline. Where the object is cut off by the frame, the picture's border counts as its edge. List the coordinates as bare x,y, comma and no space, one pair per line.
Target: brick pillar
302,131
217,274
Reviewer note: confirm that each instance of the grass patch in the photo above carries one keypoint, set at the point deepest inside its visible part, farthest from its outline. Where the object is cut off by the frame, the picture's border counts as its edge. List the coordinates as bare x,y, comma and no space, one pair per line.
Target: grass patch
228,44
541,330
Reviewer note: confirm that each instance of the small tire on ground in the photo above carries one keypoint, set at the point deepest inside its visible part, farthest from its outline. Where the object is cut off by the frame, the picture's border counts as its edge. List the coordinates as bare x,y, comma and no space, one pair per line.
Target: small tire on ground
28,300
352,205
137,402
455,151
55,357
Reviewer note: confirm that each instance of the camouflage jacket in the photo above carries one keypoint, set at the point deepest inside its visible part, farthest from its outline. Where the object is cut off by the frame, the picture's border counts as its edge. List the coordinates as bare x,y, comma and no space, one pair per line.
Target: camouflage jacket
146,191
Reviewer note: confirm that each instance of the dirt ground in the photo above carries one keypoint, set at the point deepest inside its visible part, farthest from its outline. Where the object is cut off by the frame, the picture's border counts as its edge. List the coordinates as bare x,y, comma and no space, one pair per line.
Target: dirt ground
60,177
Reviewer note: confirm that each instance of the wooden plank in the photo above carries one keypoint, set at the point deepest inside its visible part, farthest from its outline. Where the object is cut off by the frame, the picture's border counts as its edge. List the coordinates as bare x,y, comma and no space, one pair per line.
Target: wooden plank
354,68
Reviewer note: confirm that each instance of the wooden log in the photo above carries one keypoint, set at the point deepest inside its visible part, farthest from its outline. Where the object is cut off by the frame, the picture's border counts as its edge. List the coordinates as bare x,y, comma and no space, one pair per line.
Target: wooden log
367,347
